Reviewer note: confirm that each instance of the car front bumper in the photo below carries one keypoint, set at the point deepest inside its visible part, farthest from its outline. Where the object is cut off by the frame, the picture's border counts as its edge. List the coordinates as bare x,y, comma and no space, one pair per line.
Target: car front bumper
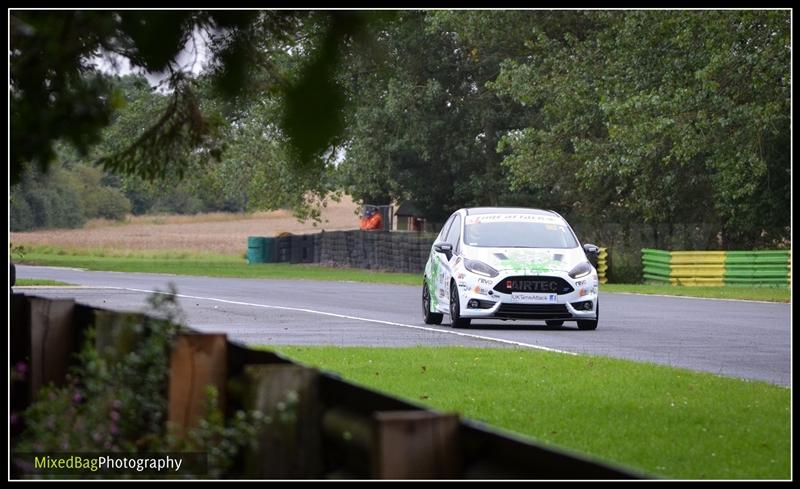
478,300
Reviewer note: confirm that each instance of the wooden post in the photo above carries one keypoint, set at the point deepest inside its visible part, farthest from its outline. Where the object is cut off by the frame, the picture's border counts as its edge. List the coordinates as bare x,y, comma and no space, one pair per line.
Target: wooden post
416,445
51,341
20,353
197,361
290,446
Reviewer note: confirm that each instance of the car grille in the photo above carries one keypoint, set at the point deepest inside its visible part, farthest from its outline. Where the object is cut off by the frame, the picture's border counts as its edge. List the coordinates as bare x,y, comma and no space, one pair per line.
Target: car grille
540,284
533,311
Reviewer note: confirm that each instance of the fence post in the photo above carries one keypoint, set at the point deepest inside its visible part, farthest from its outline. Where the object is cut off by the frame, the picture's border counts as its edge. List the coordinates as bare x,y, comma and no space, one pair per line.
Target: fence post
290,447
416,445
20,352
197,361
51,340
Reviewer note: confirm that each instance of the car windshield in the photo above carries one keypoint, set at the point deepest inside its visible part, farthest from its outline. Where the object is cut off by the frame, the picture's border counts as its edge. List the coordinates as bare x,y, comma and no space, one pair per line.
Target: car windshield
517,231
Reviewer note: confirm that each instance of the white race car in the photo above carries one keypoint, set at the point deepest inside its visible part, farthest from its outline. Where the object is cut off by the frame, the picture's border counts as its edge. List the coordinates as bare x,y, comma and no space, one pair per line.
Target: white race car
510,263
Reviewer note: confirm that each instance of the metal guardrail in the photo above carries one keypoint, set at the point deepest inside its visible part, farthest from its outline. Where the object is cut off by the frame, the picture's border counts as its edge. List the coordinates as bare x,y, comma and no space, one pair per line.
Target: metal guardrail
717,268
339,429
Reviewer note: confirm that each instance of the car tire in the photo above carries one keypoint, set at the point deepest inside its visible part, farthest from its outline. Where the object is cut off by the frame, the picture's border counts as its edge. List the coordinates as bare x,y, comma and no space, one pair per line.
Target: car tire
554,323
589,324
456,320
428,316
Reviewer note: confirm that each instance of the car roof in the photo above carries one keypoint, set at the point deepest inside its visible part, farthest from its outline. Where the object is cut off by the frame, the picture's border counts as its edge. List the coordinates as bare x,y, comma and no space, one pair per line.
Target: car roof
508,210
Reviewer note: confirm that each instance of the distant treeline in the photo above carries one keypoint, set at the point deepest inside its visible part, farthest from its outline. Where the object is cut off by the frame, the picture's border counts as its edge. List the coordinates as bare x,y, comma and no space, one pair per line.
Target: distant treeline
70,194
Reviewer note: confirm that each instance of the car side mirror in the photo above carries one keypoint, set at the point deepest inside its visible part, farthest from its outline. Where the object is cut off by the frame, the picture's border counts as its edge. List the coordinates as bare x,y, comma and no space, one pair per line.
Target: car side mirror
592,253
591,249
445,248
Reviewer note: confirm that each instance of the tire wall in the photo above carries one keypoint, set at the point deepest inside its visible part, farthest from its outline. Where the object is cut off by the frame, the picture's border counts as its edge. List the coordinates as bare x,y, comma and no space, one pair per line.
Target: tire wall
373,250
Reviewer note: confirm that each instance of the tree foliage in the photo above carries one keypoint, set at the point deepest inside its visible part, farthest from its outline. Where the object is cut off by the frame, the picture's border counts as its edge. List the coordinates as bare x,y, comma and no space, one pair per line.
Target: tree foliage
423,126
68,98
662,117
58,93
65,197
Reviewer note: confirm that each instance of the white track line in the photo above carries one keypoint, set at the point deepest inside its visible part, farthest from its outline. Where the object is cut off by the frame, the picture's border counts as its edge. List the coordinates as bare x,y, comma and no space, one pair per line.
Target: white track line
343,316
68,286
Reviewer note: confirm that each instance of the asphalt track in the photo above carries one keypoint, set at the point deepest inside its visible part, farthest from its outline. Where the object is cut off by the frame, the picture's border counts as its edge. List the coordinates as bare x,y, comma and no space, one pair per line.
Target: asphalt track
744,339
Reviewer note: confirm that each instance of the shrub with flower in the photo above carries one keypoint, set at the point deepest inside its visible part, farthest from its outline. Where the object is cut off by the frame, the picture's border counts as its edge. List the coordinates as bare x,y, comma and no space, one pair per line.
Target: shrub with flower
120,404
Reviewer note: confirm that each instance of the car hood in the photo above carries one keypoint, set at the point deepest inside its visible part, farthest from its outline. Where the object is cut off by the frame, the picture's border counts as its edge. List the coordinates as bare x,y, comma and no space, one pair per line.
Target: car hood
527,261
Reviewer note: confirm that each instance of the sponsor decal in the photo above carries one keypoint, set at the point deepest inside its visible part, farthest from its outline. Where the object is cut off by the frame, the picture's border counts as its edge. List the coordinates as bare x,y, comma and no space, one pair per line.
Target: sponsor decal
527,298
532,285
530,261
479,290
460,276
482,218
484,281
433,281
578,283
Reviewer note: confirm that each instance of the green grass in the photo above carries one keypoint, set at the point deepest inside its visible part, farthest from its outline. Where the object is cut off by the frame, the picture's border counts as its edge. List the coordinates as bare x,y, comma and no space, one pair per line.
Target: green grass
771,294
211,265
664,422
27,282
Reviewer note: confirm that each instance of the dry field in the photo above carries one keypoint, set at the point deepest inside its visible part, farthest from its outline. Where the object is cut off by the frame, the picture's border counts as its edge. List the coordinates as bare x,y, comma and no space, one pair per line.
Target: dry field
205,233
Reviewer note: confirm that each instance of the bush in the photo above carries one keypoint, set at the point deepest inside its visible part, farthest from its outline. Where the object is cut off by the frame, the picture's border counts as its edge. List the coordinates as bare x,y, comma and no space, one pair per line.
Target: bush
21,216
107,203
116,402
46,201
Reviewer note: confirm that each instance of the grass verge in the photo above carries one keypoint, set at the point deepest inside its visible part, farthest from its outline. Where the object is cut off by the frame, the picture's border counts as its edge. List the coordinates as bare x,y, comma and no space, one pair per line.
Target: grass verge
769,294
666,422
28,282
214,265
209,265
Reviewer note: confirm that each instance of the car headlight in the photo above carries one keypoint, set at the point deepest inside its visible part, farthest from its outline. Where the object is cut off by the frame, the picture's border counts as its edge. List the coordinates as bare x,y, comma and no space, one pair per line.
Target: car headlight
480,268
581,270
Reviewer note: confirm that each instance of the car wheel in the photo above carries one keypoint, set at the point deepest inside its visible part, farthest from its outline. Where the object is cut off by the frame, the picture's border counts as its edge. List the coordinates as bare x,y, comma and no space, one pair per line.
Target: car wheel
589,324
456,320
554,323
427,315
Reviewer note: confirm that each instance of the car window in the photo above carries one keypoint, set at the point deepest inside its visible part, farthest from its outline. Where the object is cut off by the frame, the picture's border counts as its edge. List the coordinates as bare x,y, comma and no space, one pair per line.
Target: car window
455,231
518,231
445,228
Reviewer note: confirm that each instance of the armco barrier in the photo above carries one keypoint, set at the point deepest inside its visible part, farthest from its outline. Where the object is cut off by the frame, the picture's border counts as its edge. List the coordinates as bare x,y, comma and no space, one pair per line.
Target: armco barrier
656,265
716,268
337,429
758,267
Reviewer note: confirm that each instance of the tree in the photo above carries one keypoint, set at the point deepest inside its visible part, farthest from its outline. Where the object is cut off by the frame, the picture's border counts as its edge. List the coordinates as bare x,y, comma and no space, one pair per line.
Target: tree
423,125
54,80
661,117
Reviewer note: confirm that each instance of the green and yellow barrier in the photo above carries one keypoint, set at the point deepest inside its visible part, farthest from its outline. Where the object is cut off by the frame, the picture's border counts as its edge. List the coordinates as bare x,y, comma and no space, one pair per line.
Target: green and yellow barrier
602,265
717,268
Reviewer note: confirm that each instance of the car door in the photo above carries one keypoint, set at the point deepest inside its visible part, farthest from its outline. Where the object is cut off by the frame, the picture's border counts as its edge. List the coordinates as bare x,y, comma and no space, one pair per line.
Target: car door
437,259
448,263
